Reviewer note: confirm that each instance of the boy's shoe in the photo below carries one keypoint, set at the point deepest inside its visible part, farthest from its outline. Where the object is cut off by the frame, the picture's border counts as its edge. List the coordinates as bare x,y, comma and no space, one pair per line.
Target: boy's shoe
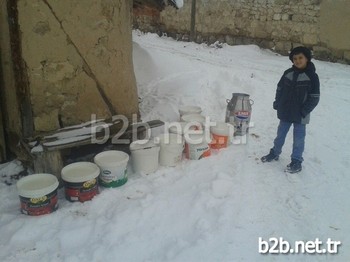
271,156
294,166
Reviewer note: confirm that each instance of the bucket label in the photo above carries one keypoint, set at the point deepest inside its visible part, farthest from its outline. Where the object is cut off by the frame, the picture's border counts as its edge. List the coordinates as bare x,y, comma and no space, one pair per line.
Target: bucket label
242,115
113,178
38,200
81,191
219,142
196,152
39,206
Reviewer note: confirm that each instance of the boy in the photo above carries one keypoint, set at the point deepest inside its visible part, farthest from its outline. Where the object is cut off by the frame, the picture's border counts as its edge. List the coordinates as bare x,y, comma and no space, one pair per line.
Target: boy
297,94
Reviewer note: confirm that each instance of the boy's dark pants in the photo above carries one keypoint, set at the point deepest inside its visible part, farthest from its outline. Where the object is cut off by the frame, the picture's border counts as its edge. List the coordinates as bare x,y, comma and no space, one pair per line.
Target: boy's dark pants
299,133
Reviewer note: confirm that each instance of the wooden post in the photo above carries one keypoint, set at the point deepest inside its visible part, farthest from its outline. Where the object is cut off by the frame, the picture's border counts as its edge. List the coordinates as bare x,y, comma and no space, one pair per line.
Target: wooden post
48,162
193,21
2,140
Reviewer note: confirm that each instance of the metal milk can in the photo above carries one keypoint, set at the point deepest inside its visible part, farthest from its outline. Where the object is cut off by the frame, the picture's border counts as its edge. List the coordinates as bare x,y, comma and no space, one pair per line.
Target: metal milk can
238,112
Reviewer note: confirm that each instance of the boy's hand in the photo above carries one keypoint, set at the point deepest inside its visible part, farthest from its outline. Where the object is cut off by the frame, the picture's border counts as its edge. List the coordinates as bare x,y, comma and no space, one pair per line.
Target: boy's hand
303,114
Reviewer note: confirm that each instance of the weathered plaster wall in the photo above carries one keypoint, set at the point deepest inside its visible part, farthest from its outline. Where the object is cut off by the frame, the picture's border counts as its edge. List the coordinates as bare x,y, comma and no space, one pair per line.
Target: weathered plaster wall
79,59
277,24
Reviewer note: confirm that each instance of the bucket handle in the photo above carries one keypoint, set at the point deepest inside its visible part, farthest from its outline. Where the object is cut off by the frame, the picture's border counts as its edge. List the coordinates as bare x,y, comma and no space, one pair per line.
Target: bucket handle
251,102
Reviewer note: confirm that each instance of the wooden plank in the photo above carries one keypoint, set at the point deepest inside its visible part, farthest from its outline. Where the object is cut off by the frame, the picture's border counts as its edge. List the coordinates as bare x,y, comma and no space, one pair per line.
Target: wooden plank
50,145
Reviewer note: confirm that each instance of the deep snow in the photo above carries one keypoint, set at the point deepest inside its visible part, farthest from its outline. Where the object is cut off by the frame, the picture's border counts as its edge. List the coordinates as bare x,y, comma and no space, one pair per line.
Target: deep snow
214,209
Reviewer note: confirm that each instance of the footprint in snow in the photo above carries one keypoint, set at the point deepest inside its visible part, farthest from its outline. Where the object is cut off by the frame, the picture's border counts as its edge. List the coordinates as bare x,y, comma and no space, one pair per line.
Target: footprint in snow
137,192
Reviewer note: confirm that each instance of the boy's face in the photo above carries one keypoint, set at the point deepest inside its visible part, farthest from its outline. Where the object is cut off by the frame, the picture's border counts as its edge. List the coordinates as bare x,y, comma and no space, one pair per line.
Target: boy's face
300,61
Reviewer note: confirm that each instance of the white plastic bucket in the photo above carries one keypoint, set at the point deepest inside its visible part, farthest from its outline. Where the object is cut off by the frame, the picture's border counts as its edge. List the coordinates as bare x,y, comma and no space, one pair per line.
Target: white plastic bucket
185,110
80,181
220,135
38,194
196,120
113,168
196,147
144,156
171,148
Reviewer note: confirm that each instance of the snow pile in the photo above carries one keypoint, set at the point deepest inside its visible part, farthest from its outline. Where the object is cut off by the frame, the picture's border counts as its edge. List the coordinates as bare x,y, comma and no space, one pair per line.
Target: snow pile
214,209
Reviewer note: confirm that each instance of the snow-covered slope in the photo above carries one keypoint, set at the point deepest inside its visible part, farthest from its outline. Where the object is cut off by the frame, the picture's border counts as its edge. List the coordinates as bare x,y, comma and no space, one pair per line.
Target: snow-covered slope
214,209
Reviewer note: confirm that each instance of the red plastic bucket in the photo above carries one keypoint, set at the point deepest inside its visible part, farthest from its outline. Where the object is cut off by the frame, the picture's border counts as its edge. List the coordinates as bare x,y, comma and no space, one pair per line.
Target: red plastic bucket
80,181
38,194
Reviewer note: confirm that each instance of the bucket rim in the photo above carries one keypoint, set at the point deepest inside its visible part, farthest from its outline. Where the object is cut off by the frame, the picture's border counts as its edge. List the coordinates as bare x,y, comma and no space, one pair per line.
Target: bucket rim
51,181
220,127
79,178
98,159
184,126
197,116
240,94
172,137
142,145
189,139
188,109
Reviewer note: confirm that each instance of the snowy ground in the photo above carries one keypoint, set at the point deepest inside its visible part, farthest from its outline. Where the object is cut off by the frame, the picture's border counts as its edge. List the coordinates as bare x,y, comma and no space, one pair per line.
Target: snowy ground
214,209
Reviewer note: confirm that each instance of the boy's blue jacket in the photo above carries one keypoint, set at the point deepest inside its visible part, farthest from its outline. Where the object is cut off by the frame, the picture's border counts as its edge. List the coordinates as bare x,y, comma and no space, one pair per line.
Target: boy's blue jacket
297,94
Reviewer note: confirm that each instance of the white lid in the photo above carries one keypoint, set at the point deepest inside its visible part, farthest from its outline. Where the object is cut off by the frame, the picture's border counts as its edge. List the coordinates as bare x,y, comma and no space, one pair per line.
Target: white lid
193,118
190,109
181,127
111,158
171,139
142,144
80,172
221,128
37,185
196,139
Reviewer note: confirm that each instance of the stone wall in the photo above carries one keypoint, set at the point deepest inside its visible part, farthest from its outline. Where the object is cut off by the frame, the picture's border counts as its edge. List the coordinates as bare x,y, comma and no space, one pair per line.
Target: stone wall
77,58
335,27
146,17
276,24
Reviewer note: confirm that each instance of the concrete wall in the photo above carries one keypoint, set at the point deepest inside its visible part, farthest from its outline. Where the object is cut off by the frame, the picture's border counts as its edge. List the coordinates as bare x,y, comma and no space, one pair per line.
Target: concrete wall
78,60
276,24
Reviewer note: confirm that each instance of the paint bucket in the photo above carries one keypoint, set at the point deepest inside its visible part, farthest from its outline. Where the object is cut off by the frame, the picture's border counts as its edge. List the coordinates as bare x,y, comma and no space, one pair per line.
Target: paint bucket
220,135
38,194
196,120
181,128
171,148
196,146
113,168
80,181
144,156
186,110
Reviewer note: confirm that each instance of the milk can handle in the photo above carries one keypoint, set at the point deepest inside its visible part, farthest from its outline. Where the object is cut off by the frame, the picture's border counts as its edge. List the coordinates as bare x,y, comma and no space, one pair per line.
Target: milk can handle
251,102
